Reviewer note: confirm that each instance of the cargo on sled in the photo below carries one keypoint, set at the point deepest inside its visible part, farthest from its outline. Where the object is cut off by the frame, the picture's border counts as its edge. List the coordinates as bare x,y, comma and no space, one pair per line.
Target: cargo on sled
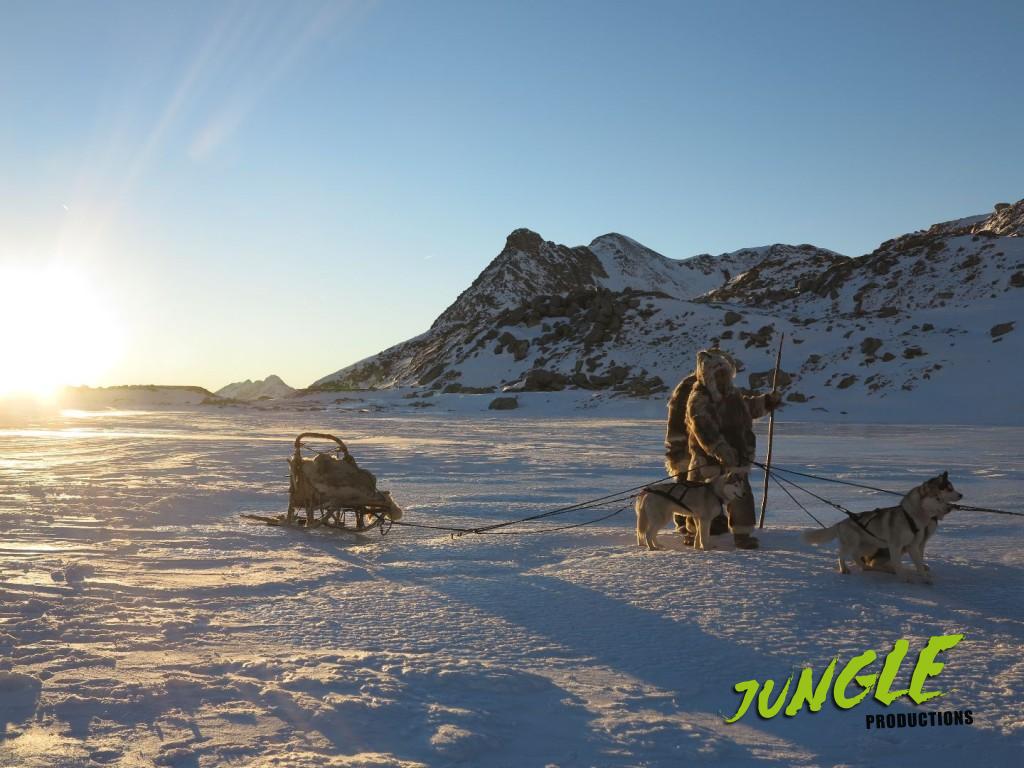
332,490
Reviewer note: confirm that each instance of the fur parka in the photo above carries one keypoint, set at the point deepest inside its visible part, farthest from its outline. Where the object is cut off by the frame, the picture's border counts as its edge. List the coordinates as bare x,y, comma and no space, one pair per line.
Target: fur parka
710,426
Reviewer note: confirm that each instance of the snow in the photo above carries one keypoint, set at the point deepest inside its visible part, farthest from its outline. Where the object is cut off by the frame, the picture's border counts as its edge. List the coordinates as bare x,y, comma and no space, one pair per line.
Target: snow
896,336
143,623
131,396
261,389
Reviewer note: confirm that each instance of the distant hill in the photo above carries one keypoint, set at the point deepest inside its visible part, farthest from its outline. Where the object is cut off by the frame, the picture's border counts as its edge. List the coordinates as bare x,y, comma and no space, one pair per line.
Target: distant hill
269,388
924,322
133,396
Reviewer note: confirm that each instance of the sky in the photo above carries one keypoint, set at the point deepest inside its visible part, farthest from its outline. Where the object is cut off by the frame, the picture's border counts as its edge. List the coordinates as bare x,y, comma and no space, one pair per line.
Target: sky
224,190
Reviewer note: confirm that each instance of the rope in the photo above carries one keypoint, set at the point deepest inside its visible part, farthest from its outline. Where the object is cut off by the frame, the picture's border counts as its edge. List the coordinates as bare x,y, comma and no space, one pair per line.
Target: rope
558,528
968,508
404,524
614,498
840,507
601,501
795,501
964,507
777,468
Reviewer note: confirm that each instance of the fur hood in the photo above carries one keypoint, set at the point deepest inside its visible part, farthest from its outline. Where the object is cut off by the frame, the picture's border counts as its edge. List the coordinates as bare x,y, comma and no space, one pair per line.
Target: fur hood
709,361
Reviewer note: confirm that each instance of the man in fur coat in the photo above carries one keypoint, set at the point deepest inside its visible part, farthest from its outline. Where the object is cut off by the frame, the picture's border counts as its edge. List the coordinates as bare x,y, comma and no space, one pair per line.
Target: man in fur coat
710,431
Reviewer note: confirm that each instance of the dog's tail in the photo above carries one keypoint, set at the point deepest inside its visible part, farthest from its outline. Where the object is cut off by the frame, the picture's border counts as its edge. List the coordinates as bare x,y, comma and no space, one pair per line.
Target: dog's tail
821,535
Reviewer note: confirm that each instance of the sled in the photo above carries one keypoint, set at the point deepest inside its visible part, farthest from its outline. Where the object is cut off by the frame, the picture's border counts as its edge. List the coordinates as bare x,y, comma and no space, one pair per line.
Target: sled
331,490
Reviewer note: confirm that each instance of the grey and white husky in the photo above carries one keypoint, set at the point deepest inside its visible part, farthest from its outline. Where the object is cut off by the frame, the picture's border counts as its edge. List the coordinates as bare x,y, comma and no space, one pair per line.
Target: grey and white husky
877,540
700,501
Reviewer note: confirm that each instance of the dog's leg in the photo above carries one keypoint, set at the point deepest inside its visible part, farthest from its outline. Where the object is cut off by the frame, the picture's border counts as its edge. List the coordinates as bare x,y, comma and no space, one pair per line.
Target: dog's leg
922,570
843,552
896,560
640,520
703,541
651,537
652,544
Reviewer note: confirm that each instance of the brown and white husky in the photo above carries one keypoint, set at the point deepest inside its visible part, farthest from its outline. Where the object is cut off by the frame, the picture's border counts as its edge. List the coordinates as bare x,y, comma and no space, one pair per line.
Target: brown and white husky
700,501
876,540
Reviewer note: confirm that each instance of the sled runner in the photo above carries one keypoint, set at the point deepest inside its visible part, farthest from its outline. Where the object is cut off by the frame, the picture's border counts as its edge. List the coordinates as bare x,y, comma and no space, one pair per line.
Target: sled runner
330,487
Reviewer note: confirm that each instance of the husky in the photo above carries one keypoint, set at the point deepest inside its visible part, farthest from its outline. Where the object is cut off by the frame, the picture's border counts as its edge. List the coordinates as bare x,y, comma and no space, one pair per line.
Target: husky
877,540
700,501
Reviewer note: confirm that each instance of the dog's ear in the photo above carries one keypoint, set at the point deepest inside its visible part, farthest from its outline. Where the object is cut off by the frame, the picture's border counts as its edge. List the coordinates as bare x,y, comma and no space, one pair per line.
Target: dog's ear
945,476
703,355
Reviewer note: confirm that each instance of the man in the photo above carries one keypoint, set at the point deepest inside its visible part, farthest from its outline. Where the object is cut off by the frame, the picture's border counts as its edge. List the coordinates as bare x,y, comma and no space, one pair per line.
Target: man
710,431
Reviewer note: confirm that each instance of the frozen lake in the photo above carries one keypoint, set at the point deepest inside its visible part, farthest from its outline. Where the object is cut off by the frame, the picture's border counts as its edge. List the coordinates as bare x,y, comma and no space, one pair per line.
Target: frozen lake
143,623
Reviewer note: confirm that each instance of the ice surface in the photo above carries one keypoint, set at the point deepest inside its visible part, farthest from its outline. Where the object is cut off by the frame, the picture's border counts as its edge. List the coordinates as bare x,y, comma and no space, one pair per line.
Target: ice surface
143,623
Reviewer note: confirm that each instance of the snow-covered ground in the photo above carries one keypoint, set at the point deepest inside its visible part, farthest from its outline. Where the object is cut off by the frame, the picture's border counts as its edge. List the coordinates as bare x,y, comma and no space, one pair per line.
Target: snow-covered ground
142,622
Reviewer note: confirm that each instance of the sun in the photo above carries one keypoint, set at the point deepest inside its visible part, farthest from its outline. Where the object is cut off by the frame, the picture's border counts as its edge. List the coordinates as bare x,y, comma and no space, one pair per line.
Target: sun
55,330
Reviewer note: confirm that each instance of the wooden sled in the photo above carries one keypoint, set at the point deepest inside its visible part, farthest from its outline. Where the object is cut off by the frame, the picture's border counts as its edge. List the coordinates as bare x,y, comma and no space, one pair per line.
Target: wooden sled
333,491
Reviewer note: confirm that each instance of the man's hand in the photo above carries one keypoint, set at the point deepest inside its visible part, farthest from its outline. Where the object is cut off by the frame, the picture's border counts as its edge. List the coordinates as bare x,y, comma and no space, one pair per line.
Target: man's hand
773,400
726,455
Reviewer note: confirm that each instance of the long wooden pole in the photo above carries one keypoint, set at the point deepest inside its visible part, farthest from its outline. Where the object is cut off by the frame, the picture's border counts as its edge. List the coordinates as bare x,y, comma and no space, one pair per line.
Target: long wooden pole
771,434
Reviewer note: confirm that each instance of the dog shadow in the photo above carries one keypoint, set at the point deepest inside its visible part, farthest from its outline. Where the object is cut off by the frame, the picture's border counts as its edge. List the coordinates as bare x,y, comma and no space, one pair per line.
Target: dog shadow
694,674
984,595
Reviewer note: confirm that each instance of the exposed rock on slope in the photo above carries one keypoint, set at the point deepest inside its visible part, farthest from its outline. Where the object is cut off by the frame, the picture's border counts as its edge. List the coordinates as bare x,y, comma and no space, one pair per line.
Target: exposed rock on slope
914,315
266,389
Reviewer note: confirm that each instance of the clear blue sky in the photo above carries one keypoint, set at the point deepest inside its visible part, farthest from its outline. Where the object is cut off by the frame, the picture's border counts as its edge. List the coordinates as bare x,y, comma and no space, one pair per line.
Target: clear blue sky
260,187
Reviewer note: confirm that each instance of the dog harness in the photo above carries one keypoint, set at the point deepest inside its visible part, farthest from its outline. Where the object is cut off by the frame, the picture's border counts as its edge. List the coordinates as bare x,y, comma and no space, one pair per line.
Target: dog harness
856,518
676,493
910,520
914,528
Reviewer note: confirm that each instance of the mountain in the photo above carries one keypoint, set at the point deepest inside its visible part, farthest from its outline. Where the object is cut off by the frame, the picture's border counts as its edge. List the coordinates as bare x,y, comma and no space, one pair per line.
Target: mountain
269,388
133,396
924,320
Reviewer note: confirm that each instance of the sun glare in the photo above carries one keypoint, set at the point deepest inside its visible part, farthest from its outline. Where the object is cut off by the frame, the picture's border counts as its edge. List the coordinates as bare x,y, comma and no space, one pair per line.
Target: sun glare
55,330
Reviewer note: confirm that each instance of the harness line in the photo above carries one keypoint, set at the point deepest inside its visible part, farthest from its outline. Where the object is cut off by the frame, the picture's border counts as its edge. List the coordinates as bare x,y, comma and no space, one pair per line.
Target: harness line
631,493
852,515
796,501
964,507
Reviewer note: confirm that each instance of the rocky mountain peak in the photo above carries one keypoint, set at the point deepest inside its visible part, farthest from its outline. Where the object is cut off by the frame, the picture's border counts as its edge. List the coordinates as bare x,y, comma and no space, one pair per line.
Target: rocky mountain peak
523,240
268,388
1007,221
617,316
527,266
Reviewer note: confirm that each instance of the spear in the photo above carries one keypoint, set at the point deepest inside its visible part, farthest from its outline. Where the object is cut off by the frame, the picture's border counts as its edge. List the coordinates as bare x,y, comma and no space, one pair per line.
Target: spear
771,433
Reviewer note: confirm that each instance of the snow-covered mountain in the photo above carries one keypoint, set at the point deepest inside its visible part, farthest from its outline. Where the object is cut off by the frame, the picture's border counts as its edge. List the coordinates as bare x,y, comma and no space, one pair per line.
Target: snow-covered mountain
924,321
268,388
